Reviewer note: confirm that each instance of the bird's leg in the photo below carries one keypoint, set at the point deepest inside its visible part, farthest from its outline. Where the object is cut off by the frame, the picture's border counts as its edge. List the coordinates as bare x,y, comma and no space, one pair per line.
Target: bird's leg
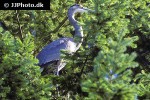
41,69
60,65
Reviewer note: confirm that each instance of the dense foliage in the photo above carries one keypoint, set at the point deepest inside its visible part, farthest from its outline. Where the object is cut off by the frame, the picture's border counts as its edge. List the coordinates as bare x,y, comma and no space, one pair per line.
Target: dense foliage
113,62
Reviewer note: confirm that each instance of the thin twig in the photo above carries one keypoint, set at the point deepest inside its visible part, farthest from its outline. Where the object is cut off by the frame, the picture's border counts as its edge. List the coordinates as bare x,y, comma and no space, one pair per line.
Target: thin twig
83,65
78,1
60,25
18,21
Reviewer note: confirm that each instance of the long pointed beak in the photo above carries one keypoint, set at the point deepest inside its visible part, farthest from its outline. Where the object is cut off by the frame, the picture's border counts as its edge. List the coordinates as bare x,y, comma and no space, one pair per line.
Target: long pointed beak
89,10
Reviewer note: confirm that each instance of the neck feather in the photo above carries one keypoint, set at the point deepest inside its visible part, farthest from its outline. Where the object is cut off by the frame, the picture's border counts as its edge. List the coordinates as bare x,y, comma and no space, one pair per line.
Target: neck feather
77,27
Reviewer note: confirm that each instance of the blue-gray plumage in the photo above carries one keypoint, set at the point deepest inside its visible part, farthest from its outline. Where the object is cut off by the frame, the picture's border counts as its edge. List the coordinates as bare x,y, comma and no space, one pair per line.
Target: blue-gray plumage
52,51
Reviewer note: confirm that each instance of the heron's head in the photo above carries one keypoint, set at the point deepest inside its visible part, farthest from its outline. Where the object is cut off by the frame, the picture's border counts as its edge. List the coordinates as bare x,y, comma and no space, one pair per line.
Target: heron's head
78,8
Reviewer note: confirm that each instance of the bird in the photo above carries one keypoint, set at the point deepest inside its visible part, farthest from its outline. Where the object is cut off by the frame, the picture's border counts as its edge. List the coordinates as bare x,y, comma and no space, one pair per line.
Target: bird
50,54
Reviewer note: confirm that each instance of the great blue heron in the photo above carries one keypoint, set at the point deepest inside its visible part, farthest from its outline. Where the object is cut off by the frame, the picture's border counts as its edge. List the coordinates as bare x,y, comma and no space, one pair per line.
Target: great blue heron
51,53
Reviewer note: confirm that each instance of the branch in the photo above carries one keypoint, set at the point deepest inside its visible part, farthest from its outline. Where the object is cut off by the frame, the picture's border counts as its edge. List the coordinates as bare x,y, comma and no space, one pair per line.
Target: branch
18,21
78,1
83,65
60,25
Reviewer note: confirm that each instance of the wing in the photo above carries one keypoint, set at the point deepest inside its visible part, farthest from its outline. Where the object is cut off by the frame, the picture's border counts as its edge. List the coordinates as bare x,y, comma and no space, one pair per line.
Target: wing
51,52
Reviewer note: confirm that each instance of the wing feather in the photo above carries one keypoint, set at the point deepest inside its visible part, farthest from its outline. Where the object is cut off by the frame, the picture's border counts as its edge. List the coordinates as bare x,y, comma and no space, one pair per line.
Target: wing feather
51,52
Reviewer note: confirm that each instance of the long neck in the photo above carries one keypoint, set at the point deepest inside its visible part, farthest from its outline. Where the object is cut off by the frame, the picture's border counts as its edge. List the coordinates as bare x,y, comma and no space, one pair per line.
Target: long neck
78,29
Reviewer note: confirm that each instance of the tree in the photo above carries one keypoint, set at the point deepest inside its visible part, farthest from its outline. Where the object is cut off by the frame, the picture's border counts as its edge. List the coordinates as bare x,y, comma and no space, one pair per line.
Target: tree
20,77
106,60
114,31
